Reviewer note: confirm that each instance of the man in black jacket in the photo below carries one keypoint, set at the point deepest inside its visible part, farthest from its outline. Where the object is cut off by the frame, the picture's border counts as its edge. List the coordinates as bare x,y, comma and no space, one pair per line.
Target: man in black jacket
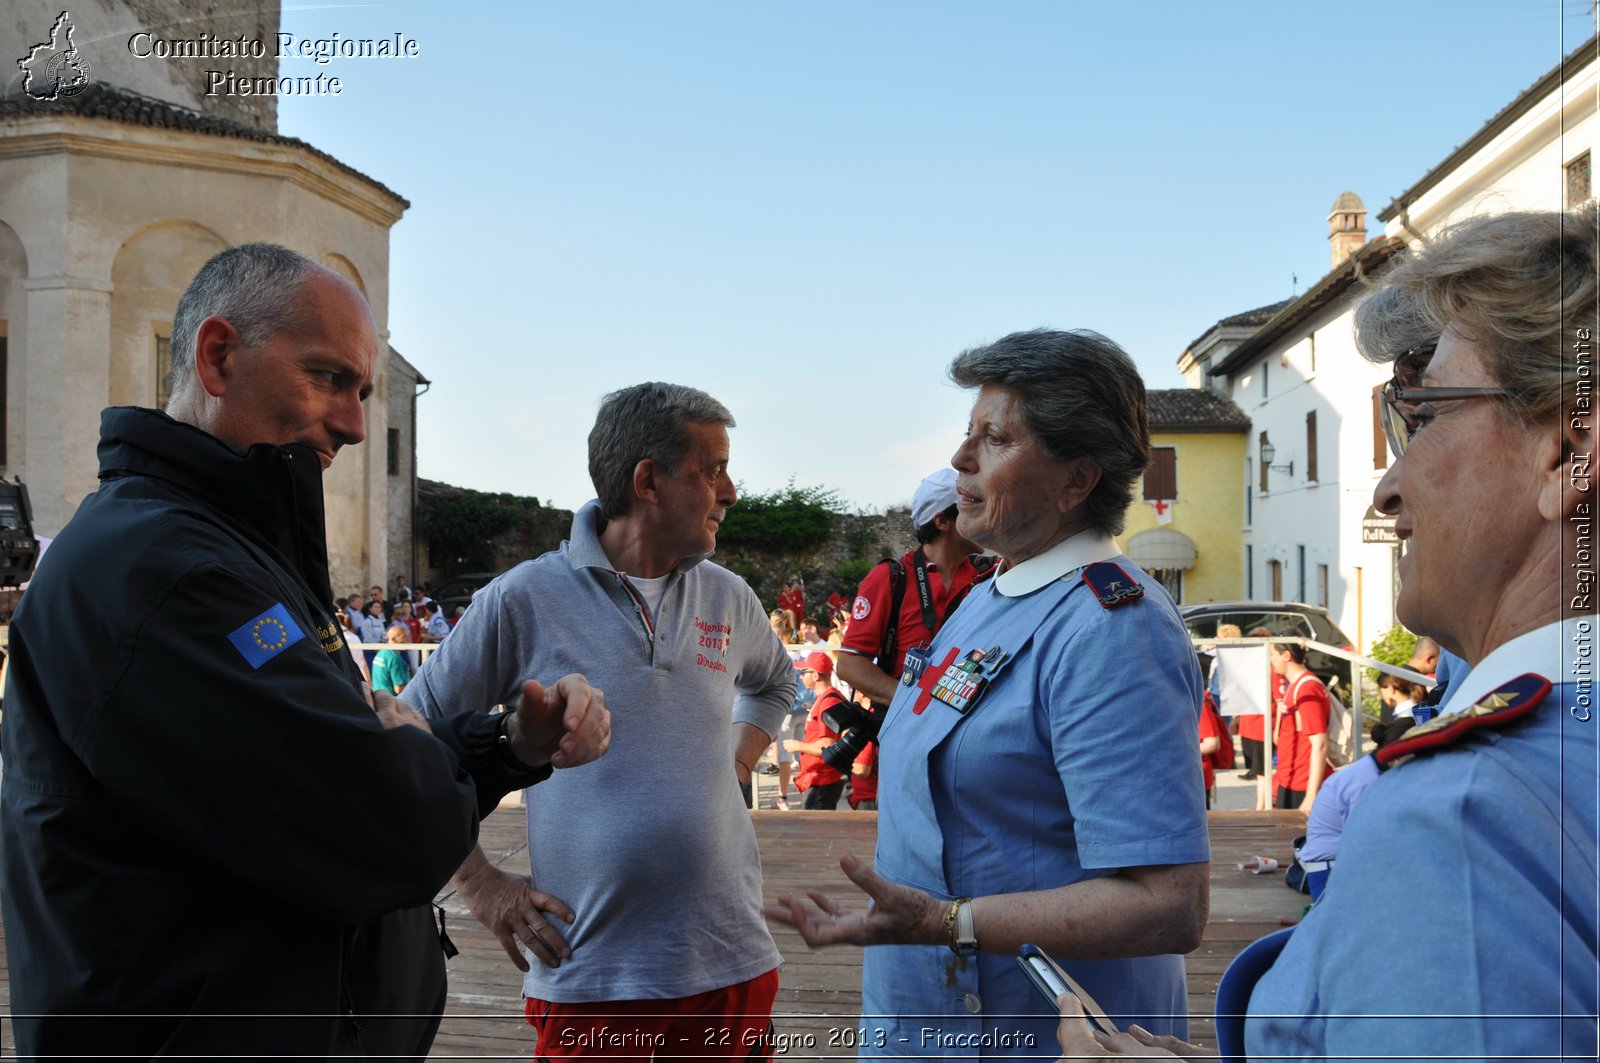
213,844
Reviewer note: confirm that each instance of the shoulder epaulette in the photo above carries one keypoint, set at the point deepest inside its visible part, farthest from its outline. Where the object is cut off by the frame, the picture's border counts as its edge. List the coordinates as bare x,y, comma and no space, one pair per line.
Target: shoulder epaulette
1511,701
1111,584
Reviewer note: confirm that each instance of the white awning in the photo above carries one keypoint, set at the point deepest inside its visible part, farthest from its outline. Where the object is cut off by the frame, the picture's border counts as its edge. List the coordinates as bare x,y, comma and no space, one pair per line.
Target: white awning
1162,548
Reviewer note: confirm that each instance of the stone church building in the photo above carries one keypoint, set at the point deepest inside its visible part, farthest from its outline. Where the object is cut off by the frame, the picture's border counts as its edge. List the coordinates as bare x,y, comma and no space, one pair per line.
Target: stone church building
112,194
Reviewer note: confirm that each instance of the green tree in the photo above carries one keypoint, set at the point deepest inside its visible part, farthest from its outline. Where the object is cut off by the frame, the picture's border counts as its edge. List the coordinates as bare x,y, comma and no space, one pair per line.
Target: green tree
852,572
463,524
1394,646
788,521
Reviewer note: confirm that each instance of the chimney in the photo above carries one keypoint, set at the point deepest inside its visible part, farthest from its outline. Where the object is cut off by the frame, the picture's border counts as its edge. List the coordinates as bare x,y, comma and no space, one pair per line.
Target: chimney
1347,227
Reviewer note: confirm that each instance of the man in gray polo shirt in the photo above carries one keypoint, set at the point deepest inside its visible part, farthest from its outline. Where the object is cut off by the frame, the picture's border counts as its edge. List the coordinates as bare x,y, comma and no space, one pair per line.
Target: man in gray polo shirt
664,946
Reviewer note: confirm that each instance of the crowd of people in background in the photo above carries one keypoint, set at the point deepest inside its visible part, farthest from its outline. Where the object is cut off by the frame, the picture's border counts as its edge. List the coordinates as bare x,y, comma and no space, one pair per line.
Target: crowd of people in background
405,617
813,646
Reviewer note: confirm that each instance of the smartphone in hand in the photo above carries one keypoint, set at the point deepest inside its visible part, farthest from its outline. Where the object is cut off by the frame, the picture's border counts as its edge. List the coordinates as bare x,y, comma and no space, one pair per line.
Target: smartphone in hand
1052,981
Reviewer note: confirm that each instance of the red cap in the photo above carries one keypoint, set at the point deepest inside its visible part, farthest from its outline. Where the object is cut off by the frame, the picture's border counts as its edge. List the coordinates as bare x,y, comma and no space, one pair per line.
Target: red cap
817,662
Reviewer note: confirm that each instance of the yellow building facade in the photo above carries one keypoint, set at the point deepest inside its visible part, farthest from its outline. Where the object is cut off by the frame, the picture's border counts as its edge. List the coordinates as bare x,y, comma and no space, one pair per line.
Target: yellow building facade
1186,524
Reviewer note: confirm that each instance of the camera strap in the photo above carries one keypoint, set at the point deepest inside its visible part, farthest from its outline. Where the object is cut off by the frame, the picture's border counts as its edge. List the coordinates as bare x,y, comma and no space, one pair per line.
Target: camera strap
891,632
930,619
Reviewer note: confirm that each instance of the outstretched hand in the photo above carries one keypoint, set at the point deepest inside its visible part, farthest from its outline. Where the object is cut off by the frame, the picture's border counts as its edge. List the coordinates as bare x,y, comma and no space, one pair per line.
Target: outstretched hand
894,915
564,725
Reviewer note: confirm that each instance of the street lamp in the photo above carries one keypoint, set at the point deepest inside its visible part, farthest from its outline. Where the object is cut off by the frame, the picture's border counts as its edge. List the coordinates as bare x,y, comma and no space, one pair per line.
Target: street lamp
1268,452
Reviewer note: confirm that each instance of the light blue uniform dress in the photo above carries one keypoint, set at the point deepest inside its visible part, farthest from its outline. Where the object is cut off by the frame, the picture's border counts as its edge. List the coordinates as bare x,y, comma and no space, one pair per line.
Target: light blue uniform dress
1488,849
1077,758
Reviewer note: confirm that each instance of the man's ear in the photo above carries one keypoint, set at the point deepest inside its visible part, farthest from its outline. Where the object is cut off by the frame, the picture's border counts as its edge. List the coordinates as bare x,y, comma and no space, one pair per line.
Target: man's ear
1566,470
644,479
215,342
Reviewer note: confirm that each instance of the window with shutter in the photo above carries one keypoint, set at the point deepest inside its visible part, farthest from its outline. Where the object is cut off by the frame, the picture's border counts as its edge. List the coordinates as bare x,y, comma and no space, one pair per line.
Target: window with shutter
1161,475
1311,445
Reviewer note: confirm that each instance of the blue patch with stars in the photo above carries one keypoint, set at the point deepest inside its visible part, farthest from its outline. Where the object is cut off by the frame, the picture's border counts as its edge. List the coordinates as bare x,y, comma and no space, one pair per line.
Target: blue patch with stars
262,639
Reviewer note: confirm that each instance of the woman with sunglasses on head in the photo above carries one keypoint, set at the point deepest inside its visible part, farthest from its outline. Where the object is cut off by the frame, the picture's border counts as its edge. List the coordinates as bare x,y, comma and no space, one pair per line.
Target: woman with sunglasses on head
1486,816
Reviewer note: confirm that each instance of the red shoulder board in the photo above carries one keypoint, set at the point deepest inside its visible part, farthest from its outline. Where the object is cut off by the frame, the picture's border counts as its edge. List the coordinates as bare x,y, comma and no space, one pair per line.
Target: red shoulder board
1512,701
1111,584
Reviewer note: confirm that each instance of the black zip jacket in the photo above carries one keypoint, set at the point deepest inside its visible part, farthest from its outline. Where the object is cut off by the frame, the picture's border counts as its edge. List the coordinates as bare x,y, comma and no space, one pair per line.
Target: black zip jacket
208,841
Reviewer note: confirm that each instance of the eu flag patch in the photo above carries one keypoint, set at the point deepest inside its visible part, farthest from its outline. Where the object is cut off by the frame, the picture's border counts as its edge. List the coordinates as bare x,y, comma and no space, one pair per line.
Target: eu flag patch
262,639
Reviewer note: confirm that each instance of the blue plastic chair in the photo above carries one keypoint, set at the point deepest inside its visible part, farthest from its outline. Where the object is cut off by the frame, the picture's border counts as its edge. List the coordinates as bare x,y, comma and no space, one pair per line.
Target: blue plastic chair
1233,992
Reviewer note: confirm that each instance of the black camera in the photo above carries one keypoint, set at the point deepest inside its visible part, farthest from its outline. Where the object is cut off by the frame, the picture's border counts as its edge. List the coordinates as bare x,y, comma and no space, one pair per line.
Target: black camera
19,550
856,727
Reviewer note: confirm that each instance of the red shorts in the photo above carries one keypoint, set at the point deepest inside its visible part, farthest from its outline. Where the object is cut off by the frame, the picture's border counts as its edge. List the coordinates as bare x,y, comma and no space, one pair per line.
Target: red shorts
734,1022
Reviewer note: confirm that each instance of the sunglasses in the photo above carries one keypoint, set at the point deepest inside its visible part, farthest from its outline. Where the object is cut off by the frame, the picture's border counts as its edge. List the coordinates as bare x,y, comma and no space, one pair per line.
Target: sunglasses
1407,407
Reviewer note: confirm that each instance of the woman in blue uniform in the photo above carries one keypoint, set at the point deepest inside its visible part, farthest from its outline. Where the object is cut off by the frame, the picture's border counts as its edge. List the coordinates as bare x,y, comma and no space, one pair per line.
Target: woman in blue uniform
1038,780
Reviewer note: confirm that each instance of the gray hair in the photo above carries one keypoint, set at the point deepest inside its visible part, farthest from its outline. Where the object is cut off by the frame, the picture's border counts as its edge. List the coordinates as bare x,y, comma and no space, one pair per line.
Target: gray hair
644,421
253,286
1081,397
1523,286
1390,322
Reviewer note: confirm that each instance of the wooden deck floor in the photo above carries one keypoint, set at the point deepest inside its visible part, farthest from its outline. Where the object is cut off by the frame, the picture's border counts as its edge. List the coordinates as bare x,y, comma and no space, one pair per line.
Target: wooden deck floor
819,992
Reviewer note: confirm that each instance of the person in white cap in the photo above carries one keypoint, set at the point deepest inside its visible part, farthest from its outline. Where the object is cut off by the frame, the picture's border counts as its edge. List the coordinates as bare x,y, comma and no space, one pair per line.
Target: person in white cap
902,603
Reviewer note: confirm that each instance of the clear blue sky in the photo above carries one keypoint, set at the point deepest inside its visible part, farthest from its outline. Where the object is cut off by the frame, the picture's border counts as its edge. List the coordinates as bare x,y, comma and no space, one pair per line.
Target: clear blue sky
808,208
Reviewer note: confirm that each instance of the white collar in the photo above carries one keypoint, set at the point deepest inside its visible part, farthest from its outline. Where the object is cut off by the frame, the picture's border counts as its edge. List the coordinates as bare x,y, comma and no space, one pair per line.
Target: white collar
1552,651
1073,552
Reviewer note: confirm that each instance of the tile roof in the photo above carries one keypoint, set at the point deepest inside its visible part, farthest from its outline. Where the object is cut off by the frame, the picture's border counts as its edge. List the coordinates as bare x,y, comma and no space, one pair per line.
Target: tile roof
1259,316
1248,319
1193,410
118,104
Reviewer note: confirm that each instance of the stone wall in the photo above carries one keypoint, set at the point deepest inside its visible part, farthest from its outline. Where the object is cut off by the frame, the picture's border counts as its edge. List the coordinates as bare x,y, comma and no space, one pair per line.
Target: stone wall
399,447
